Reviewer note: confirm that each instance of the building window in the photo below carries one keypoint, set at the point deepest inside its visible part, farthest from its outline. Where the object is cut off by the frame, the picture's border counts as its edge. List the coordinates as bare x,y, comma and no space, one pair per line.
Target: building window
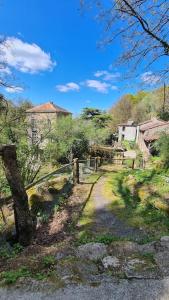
49,122
33,122
34,136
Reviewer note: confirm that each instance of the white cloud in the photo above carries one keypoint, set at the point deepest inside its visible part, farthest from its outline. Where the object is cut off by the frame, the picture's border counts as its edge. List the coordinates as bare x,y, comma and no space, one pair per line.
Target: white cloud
107,76
71,86
150,78
114,88
14,89
4,70
101,87
25,57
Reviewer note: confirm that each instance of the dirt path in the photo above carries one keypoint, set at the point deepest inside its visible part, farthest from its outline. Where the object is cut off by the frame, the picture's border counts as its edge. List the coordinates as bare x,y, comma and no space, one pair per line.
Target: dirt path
103,221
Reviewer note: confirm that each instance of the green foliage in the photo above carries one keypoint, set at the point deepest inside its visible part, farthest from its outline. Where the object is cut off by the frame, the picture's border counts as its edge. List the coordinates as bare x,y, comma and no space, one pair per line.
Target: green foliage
72,138
164,115
128,145
43,217
139,107
56,208
138,199
40,276
10,277
48,261
4,187
7,252
87,237
89,113
162,146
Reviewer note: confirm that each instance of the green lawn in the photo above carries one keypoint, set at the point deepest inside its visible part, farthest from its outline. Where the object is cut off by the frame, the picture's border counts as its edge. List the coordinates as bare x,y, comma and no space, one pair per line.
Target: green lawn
141,198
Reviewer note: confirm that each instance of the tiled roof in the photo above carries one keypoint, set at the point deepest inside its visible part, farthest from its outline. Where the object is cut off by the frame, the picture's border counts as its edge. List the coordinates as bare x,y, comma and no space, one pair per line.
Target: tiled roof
151,124
155,132
49,107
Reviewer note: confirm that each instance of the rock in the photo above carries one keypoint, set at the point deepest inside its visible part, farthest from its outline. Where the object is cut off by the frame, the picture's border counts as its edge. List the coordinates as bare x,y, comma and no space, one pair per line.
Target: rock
71,269
162,260
63,253
147,248
110,262
92,251
123,248
164,241
140,268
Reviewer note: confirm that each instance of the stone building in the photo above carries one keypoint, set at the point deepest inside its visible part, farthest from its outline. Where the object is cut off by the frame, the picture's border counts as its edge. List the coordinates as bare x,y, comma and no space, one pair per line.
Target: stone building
149,132
41,118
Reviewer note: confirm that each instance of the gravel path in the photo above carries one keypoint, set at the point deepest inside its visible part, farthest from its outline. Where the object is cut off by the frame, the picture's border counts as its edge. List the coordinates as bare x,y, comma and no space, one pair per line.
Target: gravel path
105,221
114,290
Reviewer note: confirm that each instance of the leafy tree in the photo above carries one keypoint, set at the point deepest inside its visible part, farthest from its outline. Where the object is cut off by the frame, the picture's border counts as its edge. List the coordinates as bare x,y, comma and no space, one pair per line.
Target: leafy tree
122,110
88,113
164,115
140,107
162,146
102,120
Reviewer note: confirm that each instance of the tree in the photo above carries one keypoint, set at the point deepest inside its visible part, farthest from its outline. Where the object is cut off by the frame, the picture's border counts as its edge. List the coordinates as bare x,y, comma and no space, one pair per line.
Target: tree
162,146
97,116
23,220
143,27
122,110
88,113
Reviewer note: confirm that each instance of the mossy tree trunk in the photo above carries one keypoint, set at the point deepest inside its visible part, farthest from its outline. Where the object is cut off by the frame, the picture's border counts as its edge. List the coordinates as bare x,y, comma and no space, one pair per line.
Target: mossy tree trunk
23,220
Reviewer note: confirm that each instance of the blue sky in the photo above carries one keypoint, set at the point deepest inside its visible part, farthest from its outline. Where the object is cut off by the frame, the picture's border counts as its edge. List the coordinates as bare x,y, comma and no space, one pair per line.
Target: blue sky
51,48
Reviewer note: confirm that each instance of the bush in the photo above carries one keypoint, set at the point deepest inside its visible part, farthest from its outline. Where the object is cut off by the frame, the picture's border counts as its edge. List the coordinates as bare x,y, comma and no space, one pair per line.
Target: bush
162,146
48,261
10,277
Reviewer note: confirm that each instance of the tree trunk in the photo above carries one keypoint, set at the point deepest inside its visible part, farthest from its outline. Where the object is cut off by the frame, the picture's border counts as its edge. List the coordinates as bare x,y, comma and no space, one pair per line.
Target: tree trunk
23,220
76,179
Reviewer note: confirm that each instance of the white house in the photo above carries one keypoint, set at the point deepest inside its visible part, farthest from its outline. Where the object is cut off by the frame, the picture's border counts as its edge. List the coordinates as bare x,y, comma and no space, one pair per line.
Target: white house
128,131
143,134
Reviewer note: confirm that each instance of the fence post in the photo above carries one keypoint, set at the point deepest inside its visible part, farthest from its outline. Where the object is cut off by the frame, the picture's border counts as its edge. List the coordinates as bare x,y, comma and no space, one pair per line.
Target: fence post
99,161
88,161
76,171
23,220
133,163
96,164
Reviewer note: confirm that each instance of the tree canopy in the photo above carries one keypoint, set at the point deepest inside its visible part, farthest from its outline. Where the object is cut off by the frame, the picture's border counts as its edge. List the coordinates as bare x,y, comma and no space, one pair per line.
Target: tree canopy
141,25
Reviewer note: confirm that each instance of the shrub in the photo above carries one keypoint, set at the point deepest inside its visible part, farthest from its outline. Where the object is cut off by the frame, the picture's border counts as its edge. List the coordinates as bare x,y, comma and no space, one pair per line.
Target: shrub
48,261
43,217
10,277
162,146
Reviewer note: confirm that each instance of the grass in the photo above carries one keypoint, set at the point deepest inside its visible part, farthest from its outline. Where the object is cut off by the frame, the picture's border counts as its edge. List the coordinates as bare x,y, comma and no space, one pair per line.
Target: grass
11,277
85,237
38,268
138,197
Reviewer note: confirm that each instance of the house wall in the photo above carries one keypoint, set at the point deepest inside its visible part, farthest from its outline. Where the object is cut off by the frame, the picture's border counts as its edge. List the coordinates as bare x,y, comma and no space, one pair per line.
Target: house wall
142,145
127,133
41,123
